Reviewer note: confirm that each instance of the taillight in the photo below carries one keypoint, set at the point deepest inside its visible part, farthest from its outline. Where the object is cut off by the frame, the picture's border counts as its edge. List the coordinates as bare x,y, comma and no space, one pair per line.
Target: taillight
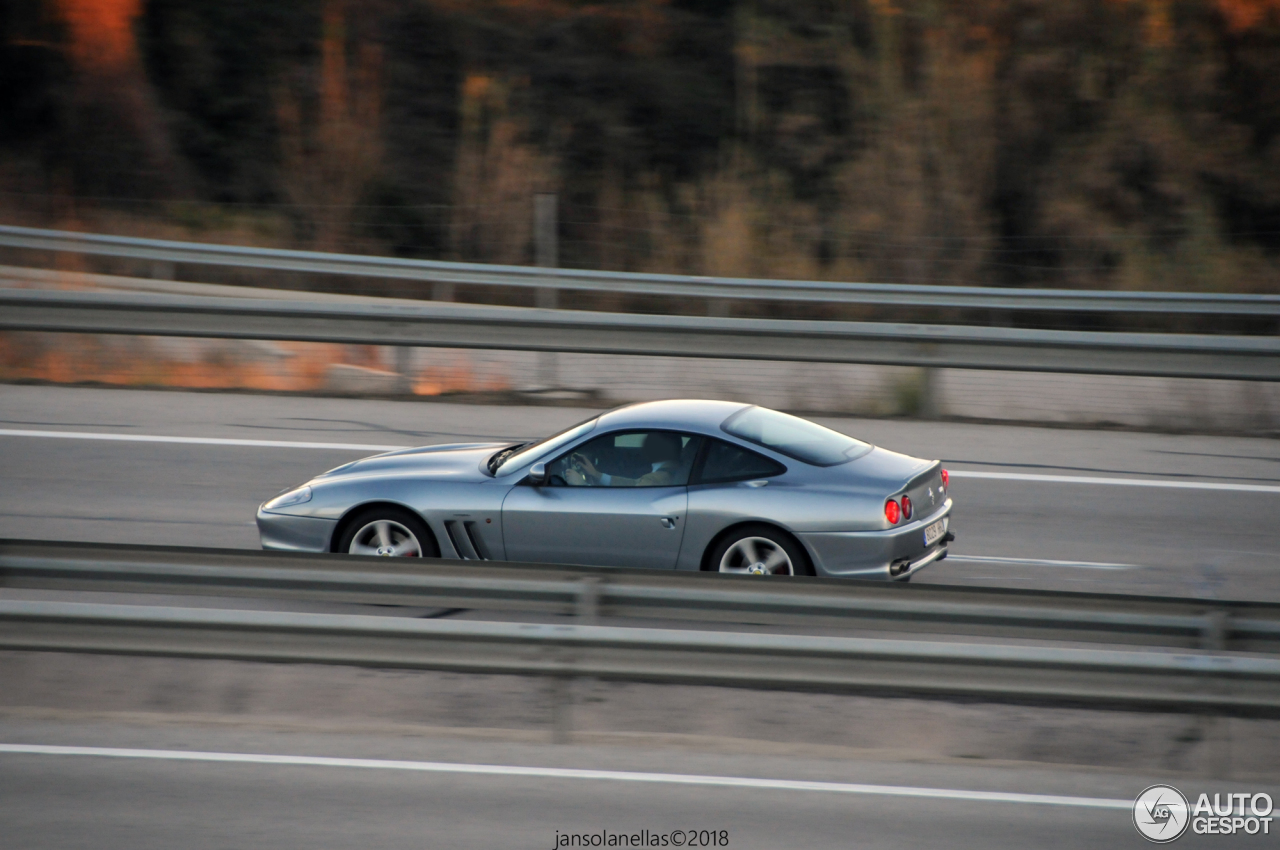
892,512
946,479
906,507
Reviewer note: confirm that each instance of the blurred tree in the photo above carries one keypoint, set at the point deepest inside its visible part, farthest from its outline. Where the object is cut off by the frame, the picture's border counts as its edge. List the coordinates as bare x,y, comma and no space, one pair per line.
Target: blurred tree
218,66
330,157
1089,143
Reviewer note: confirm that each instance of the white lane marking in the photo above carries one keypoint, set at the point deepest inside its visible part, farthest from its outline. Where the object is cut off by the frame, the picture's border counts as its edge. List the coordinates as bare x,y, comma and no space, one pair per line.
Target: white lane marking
573,773
199,441
1042,562
1122,482
363,447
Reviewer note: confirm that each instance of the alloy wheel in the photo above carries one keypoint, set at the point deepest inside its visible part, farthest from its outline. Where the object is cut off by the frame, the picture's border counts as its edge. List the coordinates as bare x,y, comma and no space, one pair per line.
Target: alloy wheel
385,538
757,556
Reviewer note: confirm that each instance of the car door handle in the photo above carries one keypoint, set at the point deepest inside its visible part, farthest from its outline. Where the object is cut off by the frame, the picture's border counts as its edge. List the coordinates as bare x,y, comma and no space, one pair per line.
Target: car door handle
668,522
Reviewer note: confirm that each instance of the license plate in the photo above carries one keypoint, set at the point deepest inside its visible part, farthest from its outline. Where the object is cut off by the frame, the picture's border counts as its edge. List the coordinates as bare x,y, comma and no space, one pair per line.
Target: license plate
935,531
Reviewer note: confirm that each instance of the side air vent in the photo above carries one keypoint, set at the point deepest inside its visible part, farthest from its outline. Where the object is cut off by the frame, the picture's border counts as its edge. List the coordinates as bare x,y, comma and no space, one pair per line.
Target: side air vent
477,541
461,542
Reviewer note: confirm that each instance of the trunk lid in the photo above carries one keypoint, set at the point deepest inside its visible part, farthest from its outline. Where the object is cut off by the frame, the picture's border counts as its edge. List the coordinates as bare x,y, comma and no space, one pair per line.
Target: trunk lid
895,475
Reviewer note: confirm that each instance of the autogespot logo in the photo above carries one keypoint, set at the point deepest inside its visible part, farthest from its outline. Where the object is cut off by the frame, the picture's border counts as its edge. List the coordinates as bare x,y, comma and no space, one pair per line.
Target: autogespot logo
1161,813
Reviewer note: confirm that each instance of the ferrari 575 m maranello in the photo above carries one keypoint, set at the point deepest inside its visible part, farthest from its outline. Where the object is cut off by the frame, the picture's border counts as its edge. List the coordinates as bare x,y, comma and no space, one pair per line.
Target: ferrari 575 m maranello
688,485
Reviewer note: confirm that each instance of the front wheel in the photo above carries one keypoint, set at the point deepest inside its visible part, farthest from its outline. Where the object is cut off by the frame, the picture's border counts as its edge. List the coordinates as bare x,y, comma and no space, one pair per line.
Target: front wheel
760,550
389,533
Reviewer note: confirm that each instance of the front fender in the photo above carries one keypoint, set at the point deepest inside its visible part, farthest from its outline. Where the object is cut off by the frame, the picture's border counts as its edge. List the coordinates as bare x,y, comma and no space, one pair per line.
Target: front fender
290,533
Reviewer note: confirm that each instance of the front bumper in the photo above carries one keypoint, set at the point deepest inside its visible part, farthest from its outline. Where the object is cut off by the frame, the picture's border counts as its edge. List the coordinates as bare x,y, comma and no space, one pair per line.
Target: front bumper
290,533
872,554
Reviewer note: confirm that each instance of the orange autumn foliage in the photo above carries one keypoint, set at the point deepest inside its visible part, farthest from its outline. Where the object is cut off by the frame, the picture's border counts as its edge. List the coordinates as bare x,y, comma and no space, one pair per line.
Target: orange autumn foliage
138,362
1243,15
101,30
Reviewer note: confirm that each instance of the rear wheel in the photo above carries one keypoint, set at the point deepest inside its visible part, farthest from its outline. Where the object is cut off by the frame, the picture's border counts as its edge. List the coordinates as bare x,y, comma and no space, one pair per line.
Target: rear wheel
759,550
388,532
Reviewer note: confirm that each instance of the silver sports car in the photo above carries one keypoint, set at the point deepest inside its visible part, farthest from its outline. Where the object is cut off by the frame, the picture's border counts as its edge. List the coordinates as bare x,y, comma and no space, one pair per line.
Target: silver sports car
688,485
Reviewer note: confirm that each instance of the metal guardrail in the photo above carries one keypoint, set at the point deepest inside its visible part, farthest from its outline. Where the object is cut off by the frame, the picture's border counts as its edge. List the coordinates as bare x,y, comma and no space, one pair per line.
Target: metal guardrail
1146,680
716,289
515,328
1130,679
590,592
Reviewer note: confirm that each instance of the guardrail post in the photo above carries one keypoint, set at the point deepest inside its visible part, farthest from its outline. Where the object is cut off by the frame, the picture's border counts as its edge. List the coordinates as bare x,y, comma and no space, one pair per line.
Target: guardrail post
1217,629
561,709
564,684
930,402
404,369
546,247
547,256
162,270
545,298
587,605
442,291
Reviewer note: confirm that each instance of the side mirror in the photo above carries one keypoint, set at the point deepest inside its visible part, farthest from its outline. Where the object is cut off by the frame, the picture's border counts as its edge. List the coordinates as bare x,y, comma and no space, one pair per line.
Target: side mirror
538,474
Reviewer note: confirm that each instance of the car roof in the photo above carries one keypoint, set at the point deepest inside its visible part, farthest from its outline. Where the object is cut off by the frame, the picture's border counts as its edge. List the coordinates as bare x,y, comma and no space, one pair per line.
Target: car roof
703,415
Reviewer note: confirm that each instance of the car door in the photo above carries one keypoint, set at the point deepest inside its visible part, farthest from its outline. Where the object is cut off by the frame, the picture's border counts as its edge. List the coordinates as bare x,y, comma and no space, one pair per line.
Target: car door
732,484
628,512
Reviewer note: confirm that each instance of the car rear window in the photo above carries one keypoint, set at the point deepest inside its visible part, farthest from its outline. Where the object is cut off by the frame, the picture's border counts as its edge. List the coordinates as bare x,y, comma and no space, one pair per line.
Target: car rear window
794,437
727,462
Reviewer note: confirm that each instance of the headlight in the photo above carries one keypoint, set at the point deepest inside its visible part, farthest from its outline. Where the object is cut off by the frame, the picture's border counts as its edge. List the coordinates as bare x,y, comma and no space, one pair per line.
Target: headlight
293,497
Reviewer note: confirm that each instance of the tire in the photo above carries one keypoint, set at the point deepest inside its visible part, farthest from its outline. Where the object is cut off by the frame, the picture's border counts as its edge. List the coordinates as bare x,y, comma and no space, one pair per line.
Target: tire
759,550
387,531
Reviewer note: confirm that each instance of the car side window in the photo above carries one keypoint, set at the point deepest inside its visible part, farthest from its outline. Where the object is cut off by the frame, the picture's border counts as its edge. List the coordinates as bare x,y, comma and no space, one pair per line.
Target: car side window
627,459
726,462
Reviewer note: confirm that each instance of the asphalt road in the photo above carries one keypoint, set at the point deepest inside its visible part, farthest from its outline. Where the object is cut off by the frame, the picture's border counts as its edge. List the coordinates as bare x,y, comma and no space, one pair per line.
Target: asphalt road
1053,527
140,801
1052,530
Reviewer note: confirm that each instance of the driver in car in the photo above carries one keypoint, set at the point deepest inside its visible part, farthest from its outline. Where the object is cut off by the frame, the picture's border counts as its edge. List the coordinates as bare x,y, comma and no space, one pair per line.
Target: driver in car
660,450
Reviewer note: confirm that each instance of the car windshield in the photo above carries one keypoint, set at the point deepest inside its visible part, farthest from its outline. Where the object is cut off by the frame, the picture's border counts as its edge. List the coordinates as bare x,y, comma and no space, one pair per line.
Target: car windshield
509,460
794,437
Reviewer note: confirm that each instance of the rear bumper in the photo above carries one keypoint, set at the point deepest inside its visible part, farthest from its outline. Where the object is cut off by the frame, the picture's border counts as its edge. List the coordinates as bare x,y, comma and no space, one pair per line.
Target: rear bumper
288,533
871,554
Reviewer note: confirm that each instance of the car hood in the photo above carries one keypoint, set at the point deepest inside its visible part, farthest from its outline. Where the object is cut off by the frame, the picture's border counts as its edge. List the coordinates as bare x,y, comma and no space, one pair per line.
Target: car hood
455,460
